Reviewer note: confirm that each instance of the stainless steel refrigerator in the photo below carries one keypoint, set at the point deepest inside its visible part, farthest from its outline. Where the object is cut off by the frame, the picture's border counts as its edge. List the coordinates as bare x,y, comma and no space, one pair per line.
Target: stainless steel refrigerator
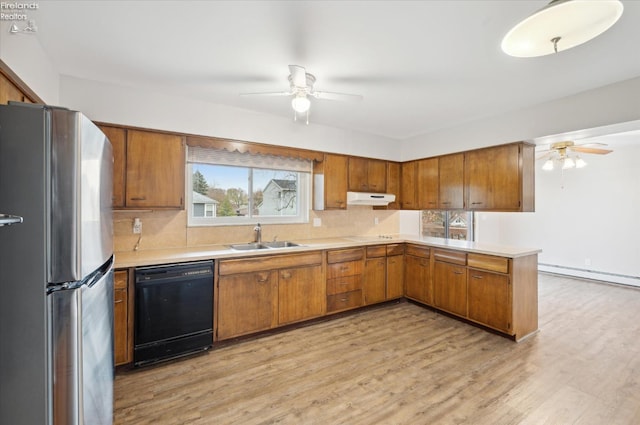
56,276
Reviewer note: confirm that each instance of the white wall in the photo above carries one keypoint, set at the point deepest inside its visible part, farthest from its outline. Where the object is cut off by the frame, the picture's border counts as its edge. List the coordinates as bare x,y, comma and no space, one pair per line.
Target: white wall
24,55
612,104
590,227
149,109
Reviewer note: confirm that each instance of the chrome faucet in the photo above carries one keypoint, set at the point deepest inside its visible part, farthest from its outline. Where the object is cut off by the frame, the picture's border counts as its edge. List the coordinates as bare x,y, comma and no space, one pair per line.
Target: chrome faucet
258,232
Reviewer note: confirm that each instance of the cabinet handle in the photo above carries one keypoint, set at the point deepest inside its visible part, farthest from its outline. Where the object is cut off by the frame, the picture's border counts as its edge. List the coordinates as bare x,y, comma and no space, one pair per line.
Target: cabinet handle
445,203
457,272
476,276
118,301
476,203
138,198
344,299
343,283
344,268
285,275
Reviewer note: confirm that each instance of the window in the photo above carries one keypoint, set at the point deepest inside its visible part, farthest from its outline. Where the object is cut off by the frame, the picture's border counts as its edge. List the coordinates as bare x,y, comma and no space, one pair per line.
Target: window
447,224
240,188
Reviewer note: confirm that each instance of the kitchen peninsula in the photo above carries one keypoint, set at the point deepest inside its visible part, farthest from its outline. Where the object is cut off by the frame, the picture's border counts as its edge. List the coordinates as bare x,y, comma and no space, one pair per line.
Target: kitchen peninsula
492,286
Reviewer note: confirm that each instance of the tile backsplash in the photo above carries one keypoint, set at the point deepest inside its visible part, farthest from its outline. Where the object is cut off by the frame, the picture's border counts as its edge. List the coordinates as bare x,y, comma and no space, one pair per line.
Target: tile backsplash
168,229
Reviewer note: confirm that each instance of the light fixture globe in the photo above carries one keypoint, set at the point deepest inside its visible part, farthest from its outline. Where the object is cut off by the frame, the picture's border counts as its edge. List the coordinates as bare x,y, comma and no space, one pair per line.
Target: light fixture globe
561,25
300,104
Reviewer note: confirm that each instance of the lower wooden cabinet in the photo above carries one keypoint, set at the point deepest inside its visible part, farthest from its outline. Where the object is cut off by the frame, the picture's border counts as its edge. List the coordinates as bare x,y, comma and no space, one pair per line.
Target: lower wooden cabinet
261,293
450,281
122,337
247,303
417,274
344,279
490,299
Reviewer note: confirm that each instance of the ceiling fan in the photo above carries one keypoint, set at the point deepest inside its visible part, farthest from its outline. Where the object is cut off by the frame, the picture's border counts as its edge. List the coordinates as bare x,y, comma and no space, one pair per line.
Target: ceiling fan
301,88
562,152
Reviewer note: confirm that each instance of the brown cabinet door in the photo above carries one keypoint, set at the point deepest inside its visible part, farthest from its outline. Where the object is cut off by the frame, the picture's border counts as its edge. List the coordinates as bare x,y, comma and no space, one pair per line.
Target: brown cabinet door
8,91
377,176
393,184
408,190
301,294
358,174
335,181
450,288
416,279
451,182
120,318
375,275
427,184
395,277
490,299
118,138
247,303
155,170
492,178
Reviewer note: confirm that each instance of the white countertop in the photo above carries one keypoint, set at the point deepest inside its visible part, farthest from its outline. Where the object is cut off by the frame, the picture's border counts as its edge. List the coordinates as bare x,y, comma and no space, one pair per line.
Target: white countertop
150,257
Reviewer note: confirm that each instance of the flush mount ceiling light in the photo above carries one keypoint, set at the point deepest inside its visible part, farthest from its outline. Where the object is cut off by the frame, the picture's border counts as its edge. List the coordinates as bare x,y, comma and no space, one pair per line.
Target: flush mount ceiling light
561,25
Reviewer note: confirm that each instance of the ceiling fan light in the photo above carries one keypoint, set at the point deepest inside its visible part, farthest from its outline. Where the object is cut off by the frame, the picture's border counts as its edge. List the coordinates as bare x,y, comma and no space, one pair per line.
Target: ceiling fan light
561,25
300,104
580,163
548,165
568,162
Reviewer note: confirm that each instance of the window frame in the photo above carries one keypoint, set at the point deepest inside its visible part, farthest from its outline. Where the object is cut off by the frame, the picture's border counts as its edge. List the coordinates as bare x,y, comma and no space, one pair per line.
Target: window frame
447,224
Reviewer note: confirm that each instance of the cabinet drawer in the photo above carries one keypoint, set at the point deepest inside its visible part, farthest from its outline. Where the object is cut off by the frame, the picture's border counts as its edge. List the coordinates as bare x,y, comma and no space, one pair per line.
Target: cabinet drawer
344,301
376,251
269,262
488,262
395,249
418,251
120,279
453,257
349,268
344,284
340,255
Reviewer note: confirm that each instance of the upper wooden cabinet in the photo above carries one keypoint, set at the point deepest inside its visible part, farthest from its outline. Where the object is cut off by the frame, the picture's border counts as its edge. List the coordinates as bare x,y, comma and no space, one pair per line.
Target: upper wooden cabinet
330,182
118,138
500,178
451,182
427,183
394,183
9,91
148,168
408,191
367,175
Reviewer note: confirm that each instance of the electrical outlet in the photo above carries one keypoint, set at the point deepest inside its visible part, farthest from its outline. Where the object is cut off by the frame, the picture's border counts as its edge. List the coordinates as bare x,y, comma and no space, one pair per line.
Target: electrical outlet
376,221
317,222
587,261
137,226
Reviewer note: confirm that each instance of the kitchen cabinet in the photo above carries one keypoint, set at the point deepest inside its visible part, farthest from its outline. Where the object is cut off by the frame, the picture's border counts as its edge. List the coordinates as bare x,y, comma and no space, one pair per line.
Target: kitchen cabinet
374,288
500,178
260,293
450,281
451,182
9,92
489,299
427,183
344,279
408,191
367,175
417,273
118,138
395,271
122,334
394,184
330,182
155,170
301,293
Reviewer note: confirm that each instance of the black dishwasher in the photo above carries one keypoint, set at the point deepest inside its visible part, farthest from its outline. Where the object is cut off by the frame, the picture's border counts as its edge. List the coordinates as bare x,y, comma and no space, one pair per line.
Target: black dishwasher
173,311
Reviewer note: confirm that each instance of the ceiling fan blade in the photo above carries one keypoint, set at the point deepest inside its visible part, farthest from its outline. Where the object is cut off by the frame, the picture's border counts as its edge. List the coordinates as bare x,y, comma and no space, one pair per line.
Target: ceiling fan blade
590,150
545,154
327,95
592,144
298,75
274,93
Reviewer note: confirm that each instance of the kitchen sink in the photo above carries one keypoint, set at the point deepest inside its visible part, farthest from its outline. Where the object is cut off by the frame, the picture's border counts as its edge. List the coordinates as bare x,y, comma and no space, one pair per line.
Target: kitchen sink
280,244
263,245
248,246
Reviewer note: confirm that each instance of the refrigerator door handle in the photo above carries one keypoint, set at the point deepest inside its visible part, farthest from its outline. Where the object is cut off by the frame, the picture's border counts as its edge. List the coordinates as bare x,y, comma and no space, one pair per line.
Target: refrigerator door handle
7,219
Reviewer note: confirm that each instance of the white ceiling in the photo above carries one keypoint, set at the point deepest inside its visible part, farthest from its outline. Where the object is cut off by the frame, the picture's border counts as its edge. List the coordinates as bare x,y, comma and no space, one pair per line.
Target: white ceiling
420,65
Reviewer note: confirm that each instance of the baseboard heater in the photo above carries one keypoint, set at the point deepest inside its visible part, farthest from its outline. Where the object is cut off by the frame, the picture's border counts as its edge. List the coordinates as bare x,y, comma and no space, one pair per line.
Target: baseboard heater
590,274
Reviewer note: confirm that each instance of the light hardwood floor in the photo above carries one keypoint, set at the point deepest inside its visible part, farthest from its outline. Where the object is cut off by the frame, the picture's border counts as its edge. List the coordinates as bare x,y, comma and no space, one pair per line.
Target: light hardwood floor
403,364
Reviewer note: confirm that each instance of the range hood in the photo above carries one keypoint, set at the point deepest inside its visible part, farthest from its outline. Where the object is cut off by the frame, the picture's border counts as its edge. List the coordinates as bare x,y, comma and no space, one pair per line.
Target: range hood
366,198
